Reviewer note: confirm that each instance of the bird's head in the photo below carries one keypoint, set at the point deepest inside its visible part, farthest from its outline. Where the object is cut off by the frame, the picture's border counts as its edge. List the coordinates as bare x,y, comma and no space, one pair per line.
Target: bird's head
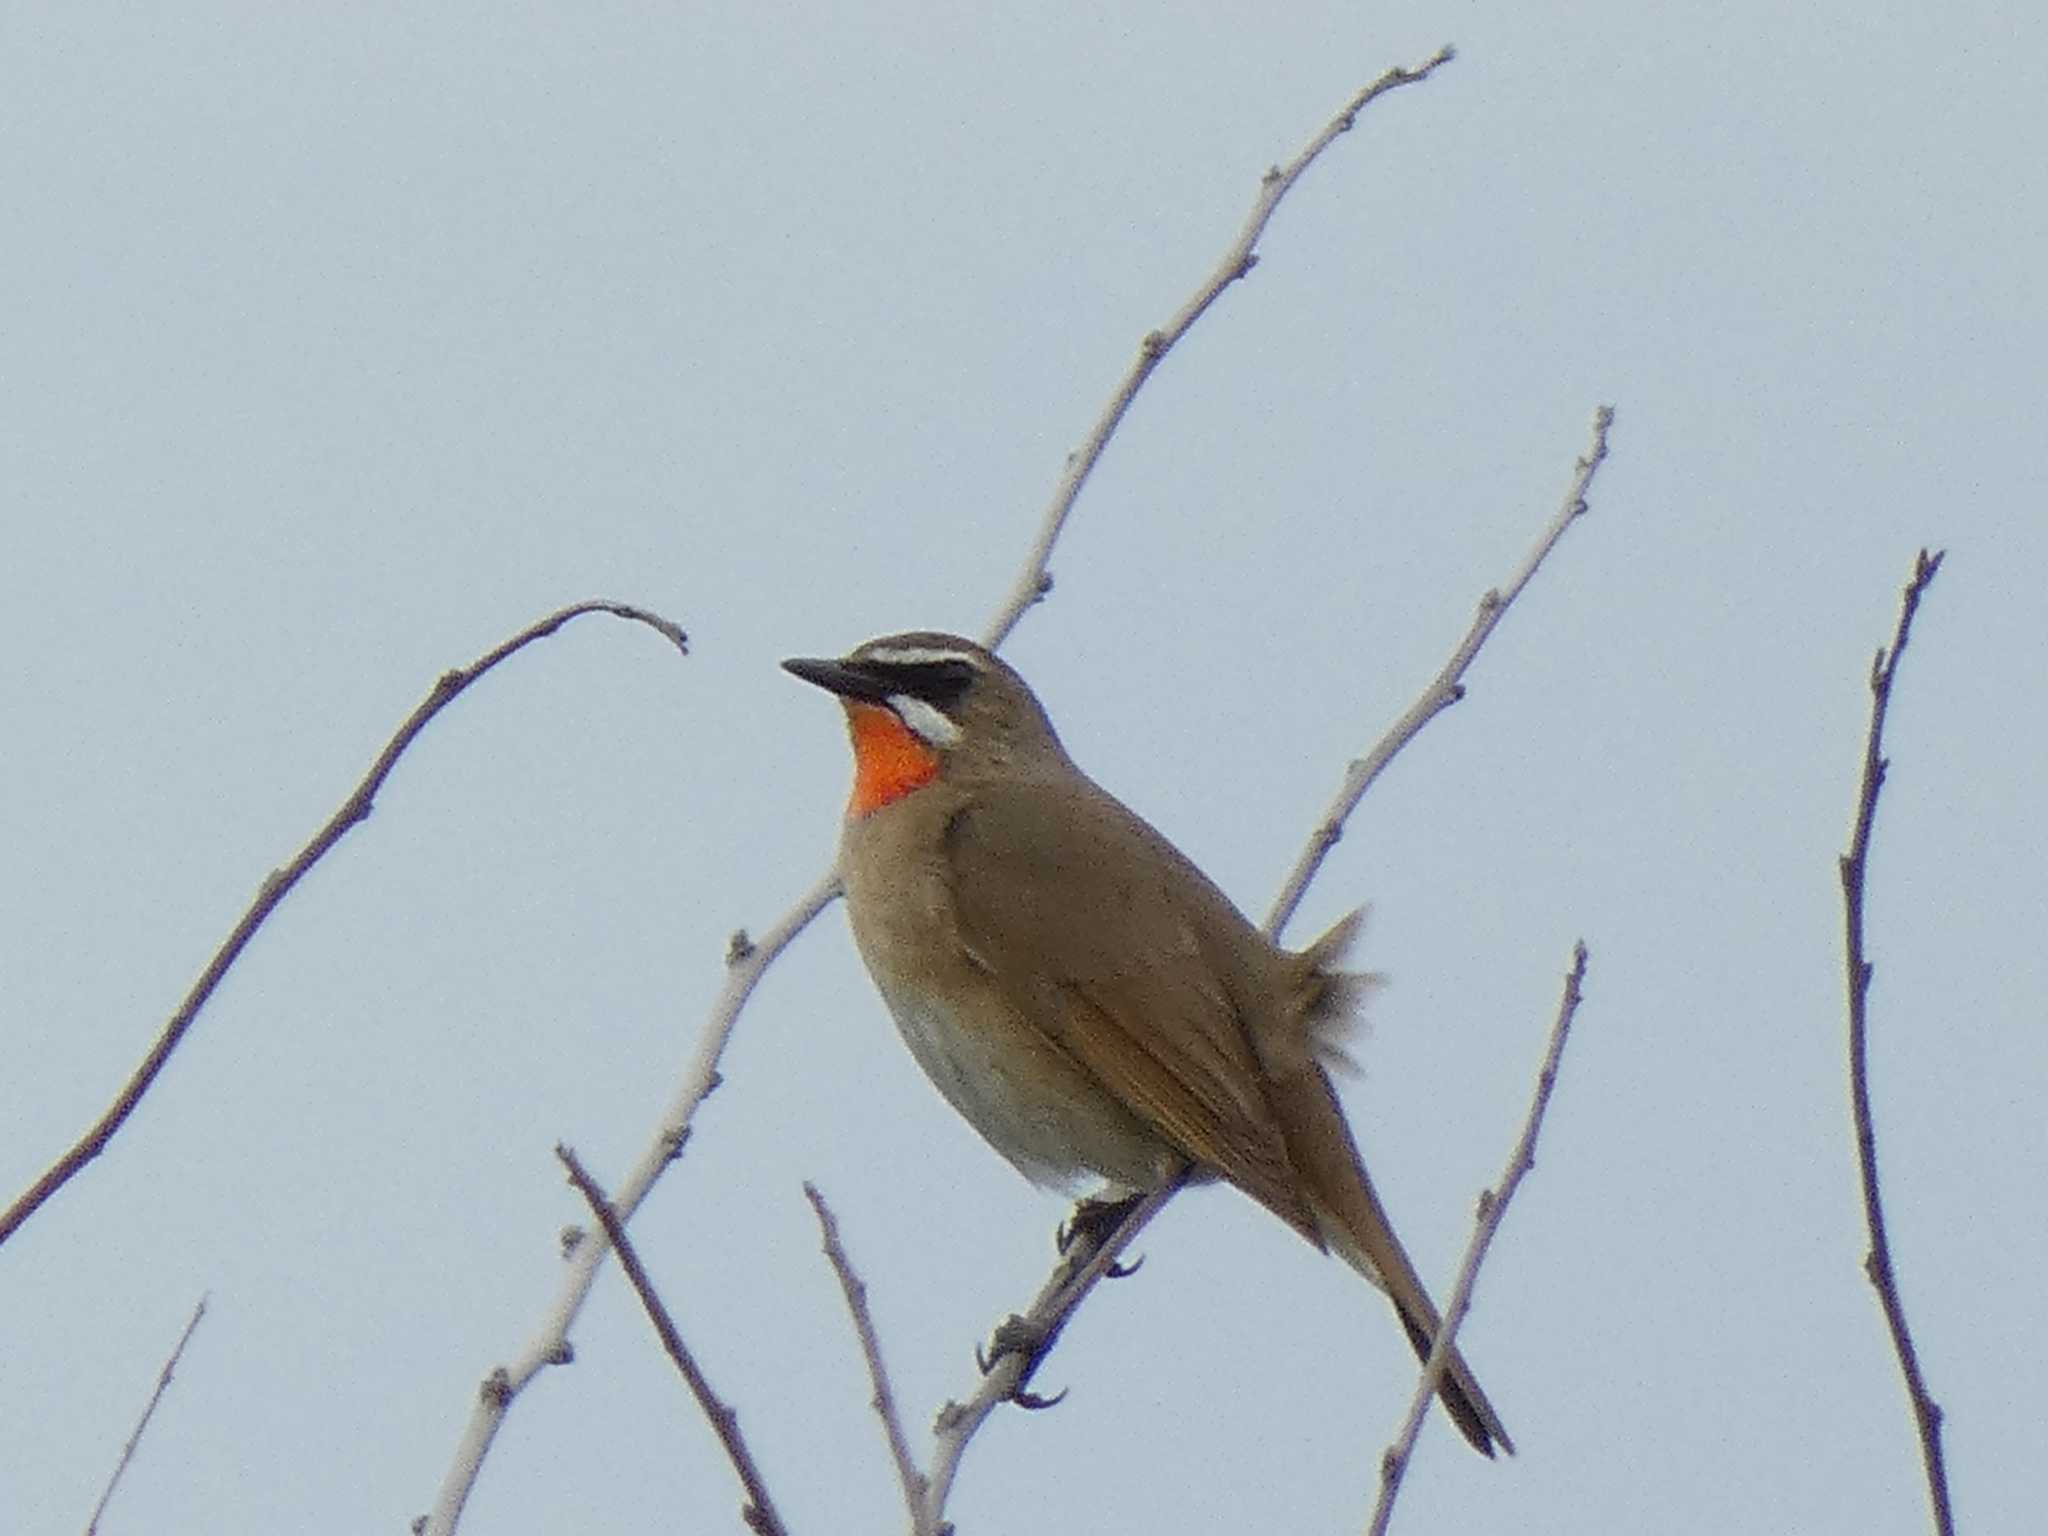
923,706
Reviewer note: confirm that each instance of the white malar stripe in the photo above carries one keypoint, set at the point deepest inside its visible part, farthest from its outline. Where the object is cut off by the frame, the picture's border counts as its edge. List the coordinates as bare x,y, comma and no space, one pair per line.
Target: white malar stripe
931,725
919,656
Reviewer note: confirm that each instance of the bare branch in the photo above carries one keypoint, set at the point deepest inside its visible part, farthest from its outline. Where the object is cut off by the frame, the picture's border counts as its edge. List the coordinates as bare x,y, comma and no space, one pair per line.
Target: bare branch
759,1510
1446,688
745,964
279,884
1493,1205
747,961
163,1384
1877,1264
1035,580
856,1290
1078,1271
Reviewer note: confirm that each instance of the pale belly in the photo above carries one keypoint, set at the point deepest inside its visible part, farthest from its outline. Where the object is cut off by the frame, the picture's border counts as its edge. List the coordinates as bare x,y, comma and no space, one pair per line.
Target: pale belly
1031,1102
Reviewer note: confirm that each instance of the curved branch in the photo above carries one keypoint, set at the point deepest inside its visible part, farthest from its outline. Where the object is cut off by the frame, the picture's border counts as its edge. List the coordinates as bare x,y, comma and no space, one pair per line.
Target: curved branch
448,687
1877,1264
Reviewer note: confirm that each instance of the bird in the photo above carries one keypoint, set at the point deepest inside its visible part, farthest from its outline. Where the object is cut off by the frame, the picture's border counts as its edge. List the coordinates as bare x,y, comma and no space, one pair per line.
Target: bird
1085,997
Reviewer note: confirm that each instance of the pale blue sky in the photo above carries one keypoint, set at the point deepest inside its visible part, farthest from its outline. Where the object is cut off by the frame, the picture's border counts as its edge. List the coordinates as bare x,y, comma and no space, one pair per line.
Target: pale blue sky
338,343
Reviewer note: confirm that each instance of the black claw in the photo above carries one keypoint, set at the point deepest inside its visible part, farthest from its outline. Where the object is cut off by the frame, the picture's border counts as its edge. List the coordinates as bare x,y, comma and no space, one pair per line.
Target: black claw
1119,1270
1095,1219
1016,1336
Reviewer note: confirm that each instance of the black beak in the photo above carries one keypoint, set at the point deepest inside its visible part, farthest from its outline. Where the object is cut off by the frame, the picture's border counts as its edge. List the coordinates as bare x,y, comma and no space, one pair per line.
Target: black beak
848,679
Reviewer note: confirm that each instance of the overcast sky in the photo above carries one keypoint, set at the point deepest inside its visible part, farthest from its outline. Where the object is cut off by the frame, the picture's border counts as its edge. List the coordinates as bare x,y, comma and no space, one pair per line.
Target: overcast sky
336,344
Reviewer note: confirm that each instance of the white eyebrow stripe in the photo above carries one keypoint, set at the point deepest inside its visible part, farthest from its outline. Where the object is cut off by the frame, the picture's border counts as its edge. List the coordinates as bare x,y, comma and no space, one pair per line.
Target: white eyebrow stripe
919,656
928,723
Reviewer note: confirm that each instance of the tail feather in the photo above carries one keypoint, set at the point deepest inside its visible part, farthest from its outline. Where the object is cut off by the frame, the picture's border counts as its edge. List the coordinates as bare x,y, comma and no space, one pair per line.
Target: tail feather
1297,1055
1460,1394
1377,1254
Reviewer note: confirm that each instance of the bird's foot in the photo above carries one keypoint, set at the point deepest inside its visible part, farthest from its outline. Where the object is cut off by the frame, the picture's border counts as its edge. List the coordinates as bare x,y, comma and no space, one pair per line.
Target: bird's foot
1093,1220
1028,1341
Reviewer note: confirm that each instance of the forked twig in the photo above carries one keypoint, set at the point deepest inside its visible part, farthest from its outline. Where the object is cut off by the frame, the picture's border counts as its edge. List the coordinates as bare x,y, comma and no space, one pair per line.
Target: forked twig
1493,1205
746,960
278,885
1877,1264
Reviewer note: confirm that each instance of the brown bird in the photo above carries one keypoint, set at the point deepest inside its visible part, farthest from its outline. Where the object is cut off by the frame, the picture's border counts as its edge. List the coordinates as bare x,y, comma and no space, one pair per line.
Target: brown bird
1084,995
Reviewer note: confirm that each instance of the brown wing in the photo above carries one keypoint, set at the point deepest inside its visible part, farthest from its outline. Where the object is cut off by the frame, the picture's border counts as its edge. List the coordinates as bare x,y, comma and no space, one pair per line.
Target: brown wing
1128,956
1110,940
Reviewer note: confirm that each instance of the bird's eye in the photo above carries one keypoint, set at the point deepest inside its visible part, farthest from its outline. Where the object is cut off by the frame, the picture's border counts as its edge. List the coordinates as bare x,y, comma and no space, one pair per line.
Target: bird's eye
941,684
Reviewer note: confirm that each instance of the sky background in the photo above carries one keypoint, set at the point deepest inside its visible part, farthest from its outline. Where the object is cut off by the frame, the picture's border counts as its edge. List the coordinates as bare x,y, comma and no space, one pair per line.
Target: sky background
339,343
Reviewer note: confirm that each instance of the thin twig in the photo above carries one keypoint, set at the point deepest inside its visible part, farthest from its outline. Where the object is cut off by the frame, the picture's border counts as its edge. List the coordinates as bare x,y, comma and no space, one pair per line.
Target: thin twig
1877,1264
1447,687
1057,1299
278,885
759,1510
871,1347
163,1383
1493,1206
1035,580
746,960
1056,1302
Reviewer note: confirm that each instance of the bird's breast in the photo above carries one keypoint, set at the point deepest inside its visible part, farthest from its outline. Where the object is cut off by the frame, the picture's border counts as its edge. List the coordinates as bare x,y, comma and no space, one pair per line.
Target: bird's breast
968,1028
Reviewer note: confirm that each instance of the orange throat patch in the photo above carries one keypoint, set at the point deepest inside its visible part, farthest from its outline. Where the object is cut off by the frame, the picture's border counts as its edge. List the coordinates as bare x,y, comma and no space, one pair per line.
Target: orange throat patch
889,759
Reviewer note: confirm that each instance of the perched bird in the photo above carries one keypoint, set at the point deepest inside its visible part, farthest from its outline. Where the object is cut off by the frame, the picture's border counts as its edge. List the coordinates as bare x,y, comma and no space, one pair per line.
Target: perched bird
1084,995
